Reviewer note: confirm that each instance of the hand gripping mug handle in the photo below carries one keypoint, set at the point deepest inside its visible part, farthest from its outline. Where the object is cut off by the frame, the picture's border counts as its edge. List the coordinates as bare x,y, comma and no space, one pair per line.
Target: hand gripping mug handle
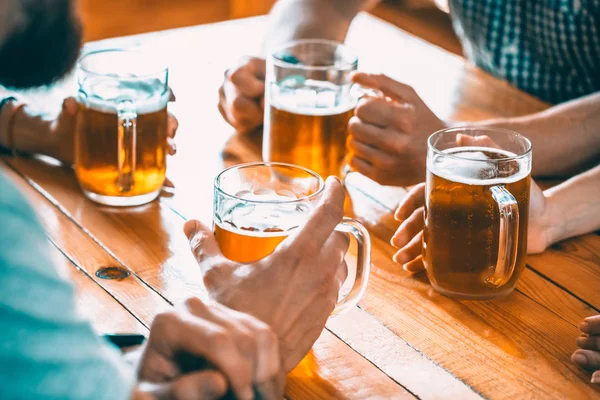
509,236
127,135
363,263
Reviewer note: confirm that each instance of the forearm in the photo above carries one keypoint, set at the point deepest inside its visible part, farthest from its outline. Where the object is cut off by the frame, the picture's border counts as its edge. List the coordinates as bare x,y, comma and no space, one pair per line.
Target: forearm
301,19
574,206
565,138
27,127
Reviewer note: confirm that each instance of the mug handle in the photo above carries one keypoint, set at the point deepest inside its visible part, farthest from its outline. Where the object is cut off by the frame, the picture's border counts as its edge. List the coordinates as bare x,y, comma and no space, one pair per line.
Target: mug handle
126,145
363,263
509,236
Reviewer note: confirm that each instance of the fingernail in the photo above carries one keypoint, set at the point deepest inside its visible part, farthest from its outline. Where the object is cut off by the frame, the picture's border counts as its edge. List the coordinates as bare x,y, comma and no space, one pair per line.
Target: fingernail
248,393
580,341
580,359
584,327
595,378
189,228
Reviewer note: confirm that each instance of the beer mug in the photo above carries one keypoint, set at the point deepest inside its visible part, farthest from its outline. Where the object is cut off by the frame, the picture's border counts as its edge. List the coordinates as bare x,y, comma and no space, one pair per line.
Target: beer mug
309,100
476,210
258,205
121,130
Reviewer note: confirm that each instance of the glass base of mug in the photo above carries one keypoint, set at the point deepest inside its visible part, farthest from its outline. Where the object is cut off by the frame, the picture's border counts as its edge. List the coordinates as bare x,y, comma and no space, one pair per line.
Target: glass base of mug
466,296
121,201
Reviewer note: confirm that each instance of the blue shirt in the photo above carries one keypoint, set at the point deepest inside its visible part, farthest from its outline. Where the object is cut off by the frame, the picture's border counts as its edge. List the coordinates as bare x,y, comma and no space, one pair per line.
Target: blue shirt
47,351
549,48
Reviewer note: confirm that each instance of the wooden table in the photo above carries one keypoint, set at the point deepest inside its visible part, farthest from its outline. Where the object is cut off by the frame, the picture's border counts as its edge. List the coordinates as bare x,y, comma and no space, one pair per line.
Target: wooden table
403,341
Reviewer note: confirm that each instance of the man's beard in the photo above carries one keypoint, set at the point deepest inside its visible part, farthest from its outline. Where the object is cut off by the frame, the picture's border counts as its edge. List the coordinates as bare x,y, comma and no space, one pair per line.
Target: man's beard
43,50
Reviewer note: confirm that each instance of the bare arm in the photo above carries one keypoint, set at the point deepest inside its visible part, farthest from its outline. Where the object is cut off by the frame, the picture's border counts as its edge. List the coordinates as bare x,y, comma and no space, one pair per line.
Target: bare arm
324,19
573,207
565,138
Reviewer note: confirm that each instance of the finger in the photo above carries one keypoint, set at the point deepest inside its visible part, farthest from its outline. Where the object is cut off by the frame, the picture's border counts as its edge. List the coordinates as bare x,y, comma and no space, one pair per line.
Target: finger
203,338
414,199
373,155
70,106
384,113
203,244
378,137
204,385
172,96
415,265
268,360
334,250
363,166
591,325
587,359
411,251
323,220
247,83
482,140
171,146
233,321
169,183
244,113
589,342
596,377
409,228
172,125
387,85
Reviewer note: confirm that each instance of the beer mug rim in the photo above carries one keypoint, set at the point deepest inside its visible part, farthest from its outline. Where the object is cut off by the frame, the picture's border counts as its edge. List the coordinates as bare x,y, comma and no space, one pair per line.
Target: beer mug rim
312,196
349,62
480,129
160,69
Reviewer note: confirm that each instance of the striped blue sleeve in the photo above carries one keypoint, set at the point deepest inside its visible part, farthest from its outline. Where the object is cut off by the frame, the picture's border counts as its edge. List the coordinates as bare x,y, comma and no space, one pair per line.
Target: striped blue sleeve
47,351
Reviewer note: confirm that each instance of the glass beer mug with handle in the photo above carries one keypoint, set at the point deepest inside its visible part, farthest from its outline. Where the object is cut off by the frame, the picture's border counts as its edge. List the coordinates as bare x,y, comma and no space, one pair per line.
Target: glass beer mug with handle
258,205
476,211
309,100
121,130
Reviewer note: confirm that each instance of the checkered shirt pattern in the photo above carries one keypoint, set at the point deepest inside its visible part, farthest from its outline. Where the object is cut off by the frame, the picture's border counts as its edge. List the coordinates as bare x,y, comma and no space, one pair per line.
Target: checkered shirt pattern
549,48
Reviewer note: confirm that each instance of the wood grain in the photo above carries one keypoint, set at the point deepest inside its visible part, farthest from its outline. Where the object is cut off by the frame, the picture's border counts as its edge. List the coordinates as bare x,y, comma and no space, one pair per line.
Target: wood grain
518,346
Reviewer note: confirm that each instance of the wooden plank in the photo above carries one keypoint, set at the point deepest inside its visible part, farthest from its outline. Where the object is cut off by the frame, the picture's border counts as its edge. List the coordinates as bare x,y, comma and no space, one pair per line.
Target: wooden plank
94,303
88,253
89,257
574,265
511,347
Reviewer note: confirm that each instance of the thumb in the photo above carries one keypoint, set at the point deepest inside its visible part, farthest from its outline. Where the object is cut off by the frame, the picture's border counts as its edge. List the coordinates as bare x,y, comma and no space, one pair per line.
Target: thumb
203,244
204,385
391,88
65,121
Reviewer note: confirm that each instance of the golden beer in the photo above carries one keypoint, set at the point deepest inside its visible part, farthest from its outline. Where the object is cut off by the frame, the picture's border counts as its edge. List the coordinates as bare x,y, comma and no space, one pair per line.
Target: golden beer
121,129
258,205
315,139
461,241
309,99
97,151
247,232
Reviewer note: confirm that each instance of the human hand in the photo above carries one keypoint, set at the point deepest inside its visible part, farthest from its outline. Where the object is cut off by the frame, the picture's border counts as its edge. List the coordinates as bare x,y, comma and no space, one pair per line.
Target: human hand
388,135
56,138
294,289
199,349
588,356
411,215
241,96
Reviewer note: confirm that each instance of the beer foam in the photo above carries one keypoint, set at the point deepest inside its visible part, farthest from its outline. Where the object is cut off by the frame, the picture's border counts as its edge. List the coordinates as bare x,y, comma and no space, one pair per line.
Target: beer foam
276,212
472,169
311,97
105,94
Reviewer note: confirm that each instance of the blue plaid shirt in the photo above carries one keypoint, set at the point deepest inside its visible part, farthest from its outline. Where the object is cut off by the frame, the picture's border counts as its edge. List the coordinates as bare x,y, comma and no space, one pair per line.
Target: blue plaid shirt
549,48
